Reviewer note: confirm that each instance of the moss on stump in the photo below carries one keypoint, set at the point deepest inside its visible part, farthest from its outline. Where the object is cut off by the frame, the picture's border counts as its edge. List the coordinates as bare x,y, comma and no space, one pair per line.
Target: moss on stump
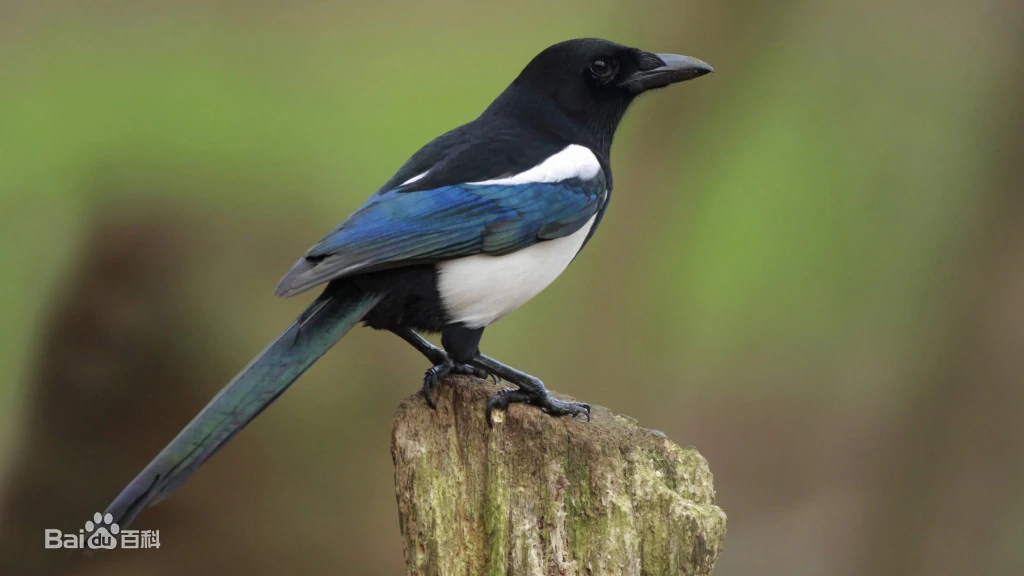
538,495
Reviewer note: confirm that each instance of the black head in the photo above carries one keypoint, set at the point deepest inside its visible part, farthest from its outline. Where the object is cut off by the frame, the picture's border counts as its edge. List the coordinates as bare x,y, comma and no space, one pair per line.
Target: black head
590,83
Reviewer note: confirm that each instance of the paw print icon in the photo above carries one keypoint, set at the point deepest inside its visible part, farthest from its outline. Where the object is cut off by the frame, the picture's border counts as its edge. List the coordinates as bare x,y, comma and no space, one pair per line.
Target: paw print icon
102,531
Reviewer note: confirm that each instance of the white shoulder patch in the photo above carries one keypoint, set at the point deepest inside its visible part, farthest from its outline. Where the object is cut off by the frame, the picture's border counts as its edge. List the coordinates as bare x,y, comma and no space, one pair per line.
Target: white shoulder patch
413,179
573,161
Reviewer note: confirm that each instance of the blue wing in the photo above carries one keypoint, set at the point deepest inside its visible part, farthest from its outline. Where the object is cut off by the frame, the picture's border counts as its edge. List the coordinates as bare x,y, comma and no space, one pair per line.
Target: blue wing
399,228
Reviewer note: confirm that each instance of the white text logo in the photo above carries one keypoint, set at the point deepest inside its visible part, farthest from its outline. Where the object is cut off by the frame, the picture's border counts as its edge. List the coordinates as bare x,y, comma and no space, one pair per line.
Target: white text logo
102,533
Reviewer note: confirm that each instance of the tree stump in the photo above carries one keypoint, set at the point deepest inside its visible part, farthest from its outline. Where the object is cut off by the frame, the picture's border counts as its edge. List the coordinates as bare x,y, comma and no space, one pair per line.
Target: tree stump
537,495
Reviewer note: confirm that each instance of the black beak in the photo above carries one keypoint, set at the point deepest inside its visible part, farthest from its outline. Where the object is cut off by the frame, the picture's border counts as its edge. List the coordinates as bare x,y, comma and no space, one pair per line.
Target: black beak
665,69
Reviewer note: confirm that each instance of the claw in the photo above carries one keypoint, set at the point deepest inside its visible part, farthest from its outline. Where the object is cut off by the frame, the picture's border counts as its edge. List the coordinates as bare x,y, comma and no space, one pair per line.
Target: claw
543,400
584,409
485,375
439,371
501,400
432,376
470,370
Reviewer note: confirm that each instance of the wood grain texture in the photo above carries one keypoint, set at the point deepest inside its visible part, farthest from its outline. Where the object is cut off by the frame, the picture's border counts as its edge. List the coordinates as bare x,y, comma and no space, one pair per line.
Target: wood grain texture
538,495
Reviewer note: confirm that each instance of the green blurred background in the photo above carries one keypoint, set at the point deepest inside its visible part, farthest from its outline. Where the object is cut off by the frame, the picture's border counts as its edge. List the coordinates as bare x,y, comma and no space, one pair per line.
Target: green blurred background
813,269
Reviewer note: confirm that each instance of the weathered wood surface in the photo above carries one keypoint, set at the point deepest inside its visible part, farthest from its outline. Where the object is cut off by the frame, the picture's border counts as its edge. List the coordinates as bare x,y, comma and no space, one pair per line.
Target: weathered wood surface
538,495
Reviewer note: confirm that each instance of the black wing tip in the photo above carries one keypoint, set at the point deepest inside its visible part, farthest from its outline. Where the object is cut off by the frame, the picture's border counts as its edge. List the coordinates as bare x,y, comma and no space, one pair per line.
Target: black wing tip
284,288
295,281
291,285
309,273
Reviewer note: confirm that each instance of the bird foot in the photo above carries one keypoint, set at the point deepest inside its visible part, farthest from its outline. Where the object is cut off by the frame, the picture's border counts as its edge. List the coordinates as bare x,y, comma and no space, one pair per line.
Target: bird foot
441,370
541,399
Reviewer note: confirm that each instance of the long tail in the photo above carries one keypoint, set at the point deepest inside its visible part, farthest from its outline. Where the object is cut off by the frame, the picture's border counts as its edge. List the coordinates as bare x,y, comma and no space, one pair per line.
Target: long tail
318,328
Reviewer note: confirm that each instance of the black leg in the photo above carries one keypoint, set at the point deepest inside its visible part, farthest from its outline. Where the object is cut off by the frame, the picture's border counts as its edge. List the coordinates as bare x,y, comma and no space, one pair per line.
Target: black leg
442,363
421,344
531,391
461,343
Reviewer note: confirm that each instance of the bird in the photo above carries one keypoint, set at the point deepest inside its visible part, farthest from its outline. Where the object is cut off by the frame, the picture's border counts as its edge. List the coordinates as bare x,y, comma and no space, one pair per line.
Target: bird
472,226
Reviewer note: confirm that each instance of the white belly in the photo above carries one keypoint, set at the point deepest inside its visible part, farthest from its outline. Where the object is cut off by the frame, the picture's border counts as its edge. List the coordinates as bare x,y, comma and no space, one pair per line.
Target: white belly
477,290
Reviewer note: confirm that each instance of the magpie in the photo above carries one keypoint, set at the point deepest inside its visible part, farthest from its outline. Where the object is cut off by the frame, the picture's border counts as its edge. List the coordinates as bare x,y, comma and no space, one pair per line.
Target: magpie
471,227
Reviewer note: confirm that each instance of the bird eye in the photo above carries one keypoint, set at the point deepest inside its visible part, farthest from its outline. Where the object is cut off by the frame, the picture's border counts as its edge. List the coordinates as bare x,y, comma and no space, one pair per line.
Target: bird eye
603,69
